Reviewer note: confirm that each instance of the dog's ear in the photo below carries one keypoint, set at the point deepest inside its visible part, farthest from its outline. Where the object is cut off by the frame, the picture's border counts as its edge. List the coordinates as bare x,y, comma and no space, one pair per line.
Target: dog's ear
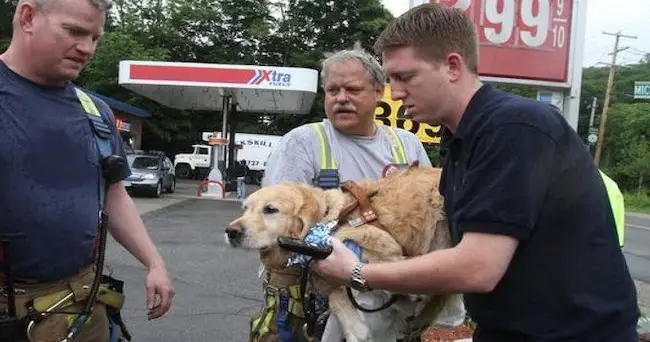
414,164
311,206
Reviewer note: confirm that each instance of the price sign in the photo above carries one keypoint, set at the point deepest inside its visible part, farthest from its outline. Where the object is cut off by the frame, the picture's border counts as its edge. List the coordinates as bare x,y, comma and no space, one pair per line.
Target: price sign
393,113
521,39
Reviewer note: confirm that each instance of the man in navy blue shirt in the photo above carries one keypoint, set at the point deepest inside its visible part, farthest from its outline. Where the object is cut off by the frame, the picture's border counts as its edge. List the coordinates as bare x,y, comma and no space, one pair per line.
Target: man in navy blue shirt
49,159
535,246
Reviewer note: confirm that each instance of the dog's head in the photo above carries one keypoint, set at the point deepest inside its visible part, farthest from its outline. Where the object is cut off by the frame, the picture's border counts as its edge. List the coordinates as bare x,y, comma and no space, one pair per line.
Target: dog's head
284,209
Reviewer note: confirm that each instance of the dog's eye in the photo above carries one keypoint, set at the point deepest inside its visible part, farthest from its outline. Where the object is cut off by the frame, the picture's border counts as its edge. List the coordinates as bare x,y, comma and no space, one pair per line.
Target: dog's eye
268,209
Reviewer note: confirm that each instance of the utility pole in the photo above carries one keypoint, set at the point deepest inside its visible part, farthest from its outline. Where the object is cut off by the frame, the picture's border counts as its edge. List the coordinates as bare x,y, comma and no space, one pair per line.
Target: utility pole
610,82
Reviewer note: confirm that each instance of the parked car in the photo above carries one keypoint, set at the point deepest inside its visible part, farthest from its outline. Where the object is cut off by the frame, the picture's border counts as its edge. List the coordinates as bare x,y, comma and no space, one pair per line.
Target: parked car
152,172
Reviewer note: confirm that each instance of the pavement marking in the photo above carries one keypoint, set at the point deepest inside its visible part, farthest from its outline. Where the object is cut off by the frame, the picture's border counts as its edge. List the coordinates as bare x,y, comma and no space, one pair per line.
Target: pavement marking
637,226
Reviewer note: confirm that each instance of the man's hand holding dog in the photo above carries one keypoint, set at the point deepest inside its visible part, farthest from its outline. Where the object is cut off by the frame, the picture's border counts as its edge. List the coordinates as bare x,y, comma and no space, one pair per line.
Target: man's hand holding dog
338,266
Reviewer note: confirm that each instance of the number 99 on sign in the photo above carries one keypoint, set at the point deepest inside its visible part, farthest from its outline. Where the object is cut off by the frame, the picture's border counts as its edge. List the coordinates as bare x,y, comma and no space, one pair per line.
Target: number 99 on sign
526,23
392,113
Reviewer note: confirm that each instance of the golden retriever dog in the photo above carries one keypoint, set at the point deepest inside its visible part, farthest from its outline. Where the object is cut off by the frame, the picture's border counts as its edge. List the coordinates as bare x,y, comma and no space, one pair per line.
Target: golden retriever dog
409,221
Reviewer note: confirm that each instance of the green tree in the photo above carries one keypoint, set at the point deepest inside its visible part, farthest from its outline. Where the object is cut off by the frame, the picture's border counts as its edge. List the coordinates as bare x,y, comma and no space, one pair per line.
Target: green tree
626,141
7,8
305,31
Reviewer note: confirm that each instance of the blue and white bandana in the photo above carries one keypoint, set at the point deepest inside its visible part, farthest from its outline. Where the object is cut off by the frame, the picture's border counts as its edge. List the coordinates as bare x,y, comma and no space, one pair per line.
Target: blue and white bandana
319,236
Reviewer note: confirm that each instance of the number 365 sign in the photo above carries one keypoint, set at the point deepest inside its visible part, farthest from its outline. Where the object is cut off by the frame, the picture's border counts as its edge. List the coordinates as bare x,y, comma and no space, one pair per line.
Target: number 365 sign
392,113
520,39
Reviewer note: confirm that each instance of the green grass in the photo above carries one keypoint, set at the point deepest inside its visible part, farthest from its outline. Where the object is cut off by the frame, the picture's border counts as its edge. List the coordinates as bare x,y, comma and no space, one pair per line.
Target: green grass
639,203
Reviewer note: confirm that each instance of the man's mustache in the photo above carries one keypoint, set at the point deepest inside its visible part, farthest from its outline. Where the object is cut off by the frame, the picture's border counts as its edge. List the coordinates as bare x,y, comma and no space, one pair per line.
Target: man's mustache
344,108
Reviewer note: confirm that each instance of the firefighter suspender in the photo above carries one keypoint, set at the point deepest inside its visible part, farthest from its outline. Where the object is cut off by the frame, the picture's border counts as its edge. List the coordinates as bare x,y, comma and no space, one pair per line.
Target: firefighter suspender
102,133
328,177
397,148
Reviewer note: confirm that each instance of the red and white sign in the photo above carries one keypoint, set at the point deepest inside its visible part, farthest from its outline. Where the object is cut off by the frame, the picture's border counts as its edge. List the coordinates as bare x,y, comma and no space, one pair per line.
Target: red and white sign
522,39
201,86
123,125
226,75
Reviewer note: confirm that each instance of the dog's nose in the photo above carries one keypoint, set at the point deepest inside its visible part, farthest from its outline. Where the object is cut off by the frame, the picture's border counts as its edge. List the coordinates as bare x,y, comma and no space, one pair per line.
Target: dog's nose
234,231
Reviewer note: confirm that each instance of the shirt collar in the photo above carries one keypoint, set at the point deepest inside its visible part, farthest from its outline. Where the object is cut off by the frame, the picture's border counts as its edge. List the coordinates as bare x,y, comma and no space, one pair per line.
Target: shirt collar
473,109
470,114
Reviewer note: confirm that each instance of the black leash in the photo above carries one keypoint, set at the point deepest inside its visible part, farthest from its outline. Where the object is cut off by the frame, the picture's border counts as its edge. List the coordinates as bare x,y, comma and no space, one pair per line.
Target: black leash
391,301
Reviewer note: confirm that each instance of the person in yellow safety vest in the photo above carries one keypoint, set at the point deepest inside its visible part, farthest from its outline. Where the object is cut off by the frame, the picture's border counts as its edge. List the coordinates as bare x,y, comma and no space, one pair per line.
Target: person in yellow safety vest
617,202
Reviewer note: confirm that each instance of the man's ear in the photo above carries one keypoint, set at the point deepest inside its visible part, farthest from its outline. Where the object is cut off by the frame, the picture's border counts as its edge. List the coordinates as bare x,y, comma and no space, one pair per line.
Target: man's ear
25,16
379,93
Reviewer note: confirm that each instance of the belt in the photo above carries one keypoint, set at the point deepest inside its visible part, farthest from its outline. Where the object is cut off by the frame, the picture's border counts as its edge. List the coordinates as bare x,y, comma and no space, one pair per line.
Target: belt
68,291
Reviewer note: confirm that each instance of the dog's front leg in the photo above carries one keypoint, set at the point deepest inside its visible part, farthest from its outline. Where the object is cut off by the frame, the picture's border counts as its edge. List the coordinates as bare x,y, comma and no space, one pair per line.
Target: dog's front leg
350,320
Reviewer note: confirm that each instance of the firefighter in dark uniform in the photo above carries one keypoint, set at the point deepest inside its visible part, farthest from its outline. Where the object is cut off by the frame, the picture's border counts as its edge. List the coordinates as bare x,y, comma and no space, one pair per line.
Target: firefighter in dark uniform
61,165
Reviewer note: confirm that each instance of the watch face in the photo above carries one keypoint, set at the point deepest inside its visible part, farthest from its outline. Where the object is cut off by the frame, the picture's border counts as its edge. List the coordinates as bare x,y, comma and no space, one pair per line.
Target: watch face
359,285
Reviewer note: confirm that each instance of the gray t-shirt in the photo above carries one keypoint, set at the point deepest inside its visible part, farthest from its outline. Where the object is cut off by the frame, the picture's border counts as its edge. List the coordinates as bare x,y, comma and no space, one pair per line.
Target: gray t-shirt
297,157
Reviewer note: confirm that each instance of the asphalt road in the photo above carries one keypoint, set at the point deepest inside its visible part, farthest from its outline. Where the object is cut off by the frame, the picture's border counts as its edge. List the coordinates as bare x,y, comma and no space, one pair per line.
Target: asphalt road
217,286
217,289
637,246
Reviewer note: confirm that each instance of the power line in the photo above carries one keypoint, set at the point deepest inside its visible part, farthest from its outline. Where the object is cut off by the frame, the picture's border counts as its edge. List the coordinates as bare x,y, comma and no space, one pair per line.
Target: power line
610,82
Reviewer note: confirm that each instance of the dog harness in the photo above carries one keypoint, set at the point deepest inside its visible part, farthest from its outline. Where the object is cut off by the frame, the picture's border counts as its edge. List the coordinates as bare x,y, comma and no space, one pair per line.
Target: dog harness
328,177
282,310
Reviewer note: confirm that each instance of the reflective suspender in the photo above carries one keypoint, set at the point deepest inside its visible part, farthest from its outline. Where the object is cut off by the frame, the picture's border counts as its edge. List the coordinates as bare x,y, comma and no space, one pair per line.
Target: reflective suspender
328,177
102,133
397,148
617,203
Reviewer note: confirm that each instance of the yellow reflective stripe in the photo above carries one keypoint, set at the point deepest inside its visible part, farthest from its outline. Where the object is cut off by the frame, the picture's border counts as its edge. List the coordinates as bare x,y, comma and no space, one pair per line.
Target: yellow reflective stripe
617,203
87,103
295,304
294,291
327,160
399,154
261,325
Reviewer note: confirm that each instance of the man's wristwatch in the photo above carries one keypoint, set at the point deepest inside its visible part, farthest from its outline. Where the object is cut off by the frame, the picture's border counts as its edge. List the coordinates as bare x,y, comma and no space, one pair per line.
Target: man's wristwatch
356,279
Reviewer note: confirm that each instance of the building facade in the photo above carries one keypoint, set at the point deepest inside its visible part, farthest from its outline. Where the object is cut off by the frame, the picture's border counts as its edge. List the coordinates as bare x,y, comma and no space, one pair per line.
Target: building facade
129,120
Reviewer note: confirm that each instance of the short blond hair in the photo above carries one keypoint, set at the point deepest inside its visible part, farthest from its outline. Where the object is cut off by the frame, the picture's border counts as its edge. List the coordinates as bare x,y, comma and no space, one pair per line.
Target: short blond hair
434,31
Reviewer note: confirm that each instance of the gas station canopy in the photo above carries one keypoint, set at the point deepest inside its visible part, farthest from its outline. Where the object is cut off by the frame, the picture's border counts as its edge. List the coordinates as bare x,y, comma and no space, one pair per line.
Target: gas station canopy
200,86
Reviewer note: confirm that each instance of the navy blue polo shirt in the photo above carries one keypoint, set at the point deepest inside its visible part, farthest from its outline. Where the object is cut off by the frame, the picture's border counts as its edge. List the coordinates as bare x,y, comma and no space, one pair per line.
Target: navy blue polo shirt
49,178
515,167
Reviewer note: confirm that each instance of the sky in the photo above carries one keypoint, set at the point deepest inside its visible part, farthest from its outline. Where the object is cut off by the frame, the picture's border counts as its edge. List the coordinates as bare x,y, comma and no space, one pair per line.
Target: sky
627,16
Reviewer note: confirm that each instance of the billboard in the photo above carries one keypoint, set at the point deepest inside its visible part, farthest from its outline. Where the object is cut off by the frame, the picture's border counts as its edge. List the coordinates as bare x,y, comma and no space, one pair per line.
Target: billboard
393,113
528,41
